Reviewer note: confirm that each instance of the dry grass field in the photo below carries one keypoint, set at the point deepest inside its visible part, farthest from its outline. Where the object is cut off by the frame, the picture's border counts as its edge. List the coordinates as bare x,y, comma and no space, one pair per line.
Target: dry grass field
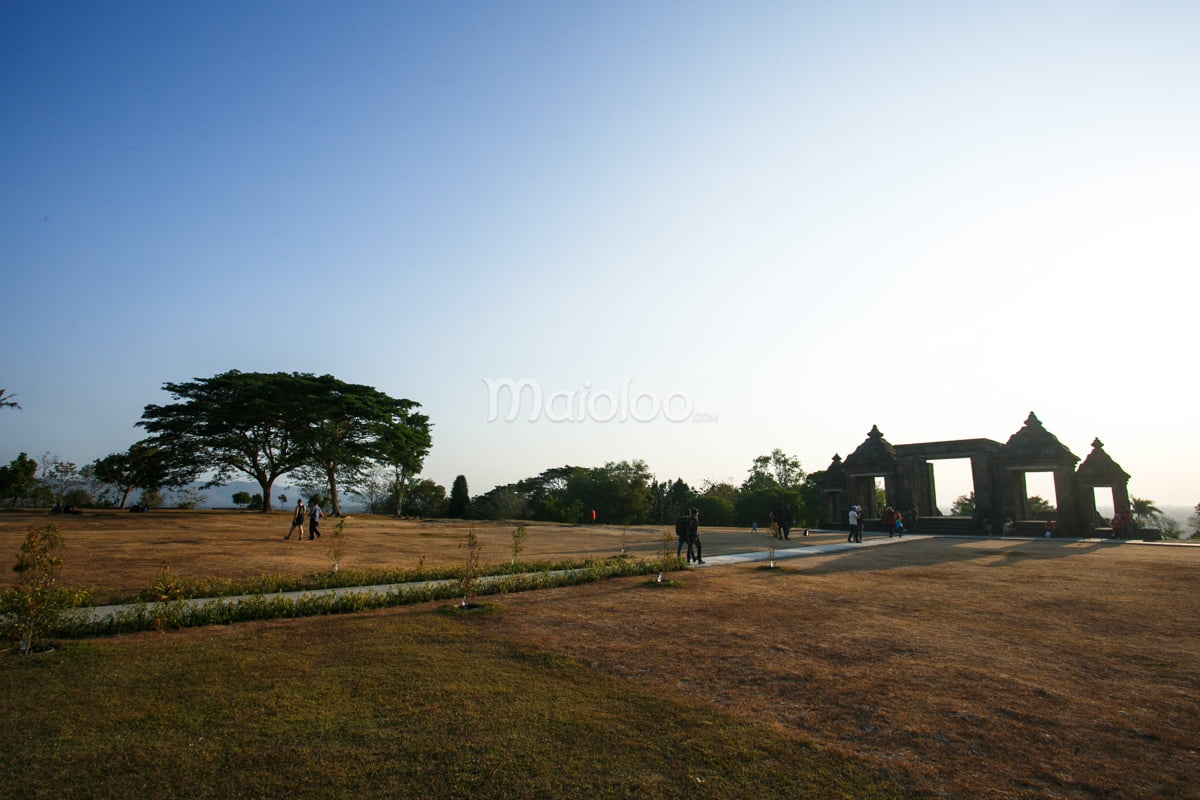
966,668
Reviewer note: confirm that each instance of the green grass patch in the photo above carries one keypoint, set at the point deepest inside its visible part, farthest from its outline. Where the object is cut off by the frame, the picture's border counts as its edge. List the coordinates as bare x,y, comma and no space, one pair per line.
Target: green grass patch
419,704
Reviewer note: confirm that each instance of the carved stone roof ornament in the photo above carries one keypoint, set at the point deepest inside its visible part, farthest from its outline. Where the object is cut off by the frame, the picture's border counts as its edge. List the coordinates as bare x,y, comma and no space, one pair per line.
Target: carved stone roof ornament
1099,469
1034,444
875,455
834,474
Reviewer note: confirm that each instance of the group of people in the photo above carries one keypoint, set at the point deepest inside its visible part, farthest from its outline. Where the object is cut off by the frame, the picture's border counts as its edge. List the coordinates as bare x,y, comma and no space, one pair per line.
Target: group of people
781,522
892,521
687,530
314,521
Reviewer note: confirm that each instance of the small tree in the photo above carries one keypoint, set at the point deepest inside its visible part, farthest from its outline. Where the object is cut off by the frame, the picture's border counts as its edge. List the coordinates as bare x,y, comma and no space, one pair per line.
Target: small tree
1169,528
963,505
151,498
337,543
18,479
467,582
37,604
1194,521
1145,513
1037,507
59,476
518,542
460,499
665,540
250,501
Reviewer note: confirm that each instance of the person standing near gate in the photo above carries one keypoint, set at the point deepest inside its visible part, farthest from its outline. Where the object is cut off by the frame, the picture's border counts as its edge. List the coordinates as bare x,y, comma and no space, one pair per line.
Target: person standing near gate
855,521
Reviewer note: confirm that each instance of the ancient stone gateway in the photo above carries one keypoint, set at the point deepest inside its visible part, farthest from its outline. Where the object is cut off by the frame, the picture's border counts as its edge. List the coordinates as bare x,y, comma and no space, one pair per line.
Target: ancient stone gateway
998,473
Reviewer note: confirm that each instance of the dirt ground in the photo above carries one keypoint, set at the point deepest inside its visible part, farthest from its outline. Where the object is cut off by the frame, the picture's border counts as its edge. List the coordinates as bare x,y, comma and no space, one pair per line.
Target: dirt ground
120,552
974,668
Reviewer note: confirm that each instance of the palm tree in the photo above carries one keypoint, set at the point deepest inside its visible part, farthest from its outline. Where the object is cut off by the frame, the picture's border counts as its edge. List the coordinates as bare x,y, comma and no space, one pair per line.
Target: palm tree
1145,513
7,401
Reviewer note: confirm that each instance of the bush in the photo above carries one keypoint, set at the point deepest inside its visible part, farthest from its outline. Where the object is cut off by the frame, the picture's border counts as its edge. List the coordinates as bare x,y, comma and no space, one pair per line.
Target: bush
37,605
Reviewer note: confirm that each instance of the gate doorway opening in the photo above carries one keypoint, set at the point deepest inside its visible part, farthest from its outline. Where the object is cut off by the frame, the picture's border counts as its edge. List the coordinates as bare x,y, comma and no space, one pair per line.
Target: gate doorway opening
951,479
1040,501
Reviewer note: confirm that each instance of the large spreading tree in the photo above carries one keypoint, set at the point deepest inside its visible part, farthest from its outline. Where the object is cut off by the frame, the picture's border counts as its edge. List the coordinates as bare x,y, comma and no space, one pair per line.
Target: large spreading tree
265,425
237,422
352,427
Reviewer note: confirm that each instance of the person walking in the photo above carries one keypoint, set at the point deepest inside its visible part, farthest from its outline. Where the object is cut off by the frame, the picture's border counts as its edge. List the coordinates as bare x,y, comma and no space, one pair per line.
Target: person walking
681,533
785,524
855,518
314,520
694,535
297,522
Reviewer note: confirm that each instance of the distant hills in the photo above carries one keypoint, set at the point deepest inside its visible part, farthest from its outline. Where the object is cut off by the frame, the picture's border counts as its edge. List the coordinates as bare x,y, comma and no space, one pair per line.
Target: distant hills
222,496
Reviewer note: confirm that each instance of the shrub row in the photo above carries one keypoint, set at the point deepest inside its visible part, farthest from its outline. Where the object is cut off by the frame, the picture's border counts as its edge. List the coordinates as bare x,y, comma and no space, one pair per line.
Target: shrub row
432,585
272,584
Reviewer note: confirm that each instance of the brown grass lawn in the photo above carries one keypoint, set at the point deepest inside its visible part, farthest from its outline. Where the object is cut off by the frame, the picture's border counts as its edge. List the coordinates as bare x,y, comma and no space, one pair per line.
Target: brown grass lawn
967,668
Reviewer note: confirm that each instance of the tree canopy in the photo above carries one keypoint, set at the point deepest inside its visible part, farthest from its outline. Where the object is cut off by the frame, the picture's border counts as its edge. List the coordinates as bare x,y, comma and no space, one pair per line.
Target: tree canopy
18,479
1144,512
963,505
352,426
265,425
776,470
460,499
142,466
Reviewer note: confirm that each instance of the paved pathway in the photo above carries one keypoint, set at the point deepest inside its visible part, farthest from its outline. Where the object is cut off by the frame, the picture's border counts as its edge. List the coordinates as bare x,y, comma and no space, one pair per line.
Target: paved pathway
809,550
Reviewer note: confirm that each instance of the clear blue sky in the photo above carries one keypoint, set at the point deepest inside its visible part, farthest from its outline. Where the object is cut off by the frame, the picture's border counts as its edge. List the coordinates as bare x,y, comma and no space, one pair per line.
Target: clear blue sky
804,218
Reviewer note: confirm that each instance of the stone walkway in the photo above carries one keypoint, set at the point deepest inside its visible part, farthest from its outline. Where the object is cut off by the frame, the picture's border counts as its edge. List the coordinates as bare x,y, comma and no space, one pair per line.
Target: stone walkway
790,551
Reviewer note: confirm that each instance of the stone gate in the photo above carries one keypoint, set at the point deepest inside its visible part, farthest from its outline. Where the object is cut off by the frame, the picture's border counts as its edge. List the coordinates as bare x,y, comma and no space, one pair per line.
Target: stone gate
998,474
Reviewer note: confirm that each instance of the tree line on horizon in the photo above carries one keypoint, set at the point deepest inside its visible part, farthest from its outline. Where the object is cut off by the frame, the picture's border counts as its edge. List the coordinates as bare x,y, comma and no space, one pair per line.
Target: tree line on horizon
333,437
627,493
323,431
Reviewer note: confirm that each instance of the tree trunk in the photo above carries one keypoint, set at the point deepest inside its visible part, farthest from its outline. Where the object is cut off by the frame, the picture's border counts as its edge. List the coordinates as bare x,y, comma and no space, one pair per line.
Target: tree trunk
265,482
401,479
335,507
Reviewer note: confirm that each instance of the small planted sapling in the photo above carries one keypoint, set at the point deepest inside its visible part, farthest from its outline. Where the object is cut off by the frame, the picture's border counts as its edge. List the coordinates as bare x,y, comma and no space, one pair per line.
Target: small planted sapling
337,543
36,605
518,542
467,582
